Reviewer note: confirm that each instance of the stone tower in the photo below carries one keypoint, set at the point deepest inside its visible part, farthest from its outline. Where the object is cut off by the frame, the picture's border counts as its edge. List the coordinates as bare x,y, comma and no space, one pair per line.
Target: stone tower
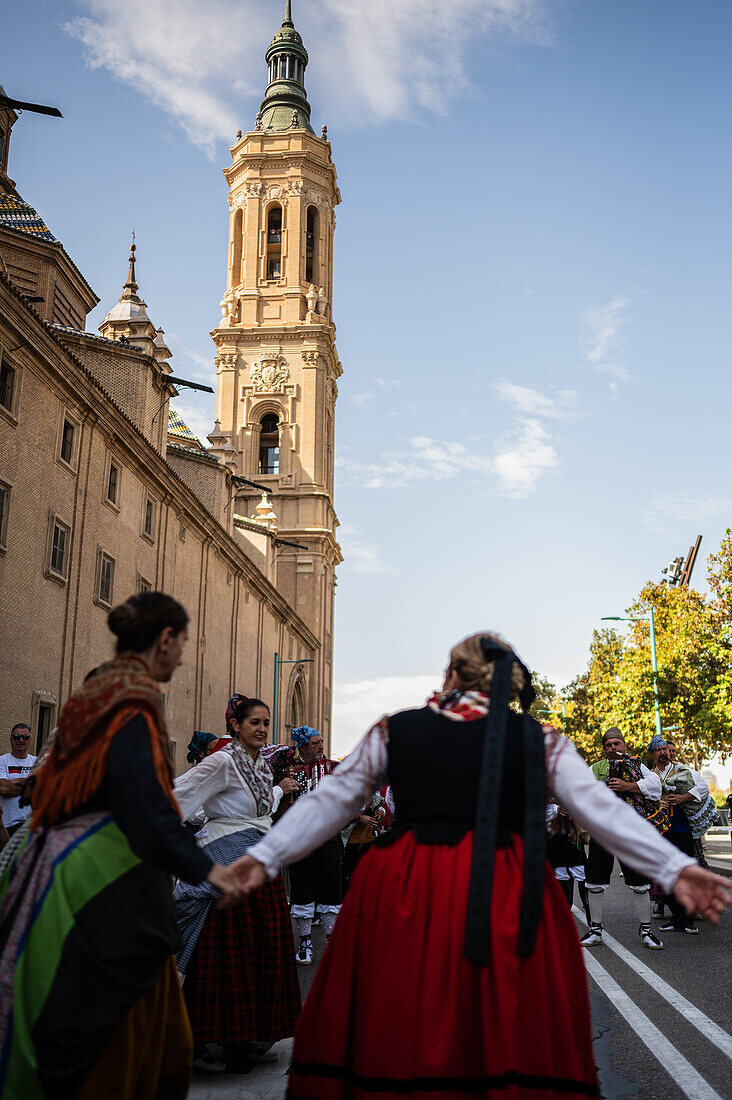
276,360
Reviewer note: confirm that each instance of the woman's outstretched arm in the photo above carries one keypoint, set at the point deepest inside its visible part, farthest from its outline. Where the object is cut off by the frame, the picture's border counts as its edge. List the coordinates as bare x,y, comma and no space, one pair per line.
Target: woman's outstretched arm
321,814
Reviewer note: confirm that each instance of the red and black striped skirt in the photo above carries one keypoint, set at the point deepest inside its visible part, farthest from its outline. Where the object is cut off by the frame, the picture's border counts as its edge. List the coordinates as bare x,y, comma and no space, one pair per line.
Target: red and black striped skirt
397,1010
241,983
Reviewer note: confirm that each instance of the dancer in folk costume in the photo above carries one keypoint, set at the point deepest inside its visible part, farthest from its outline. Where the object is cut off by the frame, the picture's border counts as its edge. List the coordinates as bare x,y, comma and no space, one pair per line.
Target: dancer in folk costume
89,993
315,881
458,915
241,985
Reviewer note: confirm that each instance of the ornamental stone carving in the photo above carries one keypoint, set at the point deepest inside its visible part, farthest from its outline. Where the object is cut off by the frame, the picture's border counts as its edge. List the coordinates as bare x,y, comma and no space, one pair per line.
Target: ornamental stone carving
269,372
295,187
310,357
253,190
240,198
226,360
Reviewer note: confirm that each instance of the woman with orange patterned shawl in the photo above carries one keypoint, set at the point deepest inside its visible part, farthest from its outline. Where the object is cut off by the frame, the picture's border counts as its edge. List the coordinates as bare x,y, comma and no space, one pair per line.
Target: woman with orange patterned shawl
89,993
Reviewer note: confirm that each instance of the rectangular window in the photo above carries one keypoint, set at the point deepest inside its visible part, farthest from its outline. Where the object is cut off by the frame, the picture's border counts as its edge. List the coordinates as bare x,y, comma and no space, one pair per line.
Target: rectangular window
59,558
113,483
106,578
67,442
7,386
149,519
143,585
4,510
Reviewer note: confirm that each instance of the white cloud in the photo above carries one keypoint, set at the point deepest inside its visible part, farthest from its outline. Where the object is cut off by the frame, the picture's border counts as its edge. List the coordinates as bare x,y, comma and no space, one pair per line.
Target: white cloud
670,509
520,465
372,60
361,556
602,338
534,403
513,470
357,704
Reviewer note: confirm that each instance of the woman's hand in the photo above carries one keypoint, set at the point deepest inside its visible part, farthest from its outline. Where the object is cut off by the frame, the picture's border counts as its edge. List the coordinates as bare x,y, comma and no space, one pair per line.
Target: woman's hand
225,880
367,819
701,891
289,786
250,873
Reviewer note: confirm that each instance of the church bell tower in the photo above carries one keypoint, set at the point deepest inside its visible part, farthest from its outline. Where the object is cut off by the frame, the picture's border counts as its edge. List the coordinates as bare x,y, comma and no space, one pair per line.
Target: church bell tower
276,360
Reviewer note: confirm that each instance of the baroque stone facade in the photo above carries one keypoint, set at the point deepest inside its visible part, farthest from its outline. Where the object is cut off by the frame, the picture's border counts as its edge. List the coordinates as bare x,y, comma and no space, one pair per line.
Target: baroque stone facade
104,492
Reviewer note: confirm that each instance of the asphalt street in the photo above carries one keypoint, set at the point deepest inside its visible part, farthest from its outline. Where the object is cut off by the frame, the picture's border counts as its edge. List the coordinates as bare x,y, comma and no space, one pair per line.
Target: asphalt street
661,1019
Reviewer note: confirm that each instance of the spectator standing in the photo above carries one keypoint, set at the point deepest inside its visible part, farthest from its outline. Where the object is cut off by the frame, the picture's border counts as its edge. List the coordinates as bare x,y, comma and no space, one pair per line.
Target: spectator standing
15,767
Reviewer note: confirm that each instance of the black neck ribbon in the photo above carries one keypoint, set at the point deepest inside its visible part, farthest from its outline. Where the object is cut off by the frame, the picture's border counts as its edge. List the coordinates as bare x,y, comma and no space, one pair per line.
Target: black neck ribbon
480,890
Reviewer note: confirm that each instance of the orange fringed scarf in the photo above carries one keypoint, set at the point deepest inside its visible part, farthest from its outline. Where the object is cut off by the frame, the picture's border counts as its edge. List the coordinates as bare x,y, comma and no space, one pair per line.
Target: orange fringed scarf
76,766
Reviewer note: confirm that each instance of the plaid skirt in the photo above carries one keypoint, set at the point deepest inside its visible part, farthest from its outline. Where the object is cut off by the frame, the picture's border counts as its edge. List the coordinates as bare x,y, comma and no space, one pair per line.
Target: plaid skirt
241,983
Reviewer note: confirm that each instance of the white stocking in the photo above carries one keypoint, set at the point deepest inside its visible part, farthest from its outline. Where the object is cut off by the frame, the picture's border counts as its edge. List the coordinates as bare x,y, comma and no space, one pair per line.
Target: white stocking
596,901
641,904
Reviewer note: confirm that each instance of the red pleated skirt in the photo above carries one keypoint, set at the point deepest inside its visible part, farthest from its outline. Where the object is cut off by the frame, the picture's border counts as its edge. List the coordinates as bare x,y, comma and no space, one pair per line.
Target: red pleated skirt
397,1010
241,983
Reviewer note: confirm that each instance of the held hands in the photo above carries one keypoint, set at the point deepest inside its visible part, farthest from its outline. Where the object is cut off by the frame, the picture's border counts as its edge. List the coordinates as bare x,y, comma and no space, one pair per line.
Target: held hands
250,874
236,881
703,892
677,799
226,881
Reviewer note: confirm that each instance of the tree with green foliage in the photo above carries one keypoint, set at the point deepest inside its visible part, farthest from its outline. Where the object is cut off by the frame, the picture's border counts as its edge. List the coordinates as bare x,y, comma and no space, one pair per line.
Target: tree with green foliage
694,651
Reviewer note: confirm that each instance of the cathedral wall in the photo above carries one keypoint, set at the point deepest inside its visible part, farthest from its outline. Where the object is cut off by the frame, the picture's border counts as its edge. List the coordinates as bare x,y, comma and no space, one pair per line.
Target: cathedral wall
156,533
206,477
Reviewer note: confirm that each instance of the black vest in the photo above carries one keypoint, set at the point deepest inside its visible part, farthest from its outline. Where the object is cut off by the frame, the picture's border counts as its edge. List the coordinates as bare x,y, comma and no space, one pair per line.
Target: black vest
434,769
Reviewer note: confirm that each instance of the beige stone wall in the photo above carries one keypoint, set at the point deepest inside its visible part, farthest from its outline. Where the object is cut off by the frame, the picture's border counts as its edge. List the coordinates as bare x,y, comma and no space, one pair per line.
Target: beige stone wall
53,631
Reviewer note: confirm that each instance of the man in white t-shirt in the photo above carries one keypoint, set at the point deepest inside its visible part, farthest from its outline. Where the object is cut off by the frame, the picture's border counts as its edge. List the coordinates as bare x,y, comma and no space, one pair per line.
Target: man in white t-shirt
15,767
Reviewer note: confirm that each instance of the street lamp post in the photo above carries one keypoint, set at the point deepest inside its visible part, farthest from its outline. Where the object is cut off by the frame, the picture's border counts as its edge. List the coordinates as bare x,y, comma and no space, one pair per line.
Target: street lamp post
277,663
649,618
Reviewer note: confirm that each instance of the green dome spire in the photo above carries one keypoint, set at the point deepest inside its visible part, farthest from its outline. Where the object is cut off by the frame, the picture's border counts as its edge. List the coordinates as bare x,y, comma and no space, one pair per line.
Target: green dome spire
285,102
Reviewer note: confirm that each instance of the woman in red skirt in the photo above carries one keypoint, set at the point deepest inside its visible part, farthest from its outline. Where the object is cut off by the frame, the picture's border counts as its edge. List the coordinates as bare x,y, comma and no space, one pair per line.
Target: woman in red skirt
241,985
454,969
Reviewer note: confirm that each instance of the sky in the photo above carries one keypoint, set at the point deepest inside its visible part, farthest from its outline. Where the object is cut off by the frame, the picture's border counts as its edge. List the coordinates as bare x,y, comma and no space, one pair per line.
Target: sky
532,280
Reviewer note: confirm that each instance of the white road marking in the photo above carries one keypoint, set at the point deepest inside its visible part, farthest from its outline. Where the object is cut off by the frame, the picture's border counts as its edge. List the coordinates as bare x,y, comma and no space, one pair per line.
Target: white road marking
691,1083
713,1032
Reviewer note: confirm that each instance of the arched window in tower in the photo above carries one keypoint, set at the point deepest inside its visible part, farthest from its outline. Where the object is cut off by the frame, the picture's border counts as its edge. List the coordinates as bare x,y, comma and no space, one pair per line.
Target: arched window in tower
312,229
236,251
269,445
274,242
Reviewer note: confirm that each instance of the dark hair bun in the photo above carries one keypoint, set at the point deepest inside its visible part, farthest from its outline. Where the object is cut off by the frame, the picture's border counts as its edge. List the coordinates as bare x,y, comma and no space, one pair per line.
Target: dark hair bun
137,622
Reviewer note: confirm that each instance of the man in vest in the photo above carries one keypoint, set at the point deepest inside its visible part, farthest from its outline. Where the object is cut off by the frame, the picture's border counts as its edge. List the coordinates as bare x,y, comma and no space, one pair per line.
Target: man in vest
643,794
